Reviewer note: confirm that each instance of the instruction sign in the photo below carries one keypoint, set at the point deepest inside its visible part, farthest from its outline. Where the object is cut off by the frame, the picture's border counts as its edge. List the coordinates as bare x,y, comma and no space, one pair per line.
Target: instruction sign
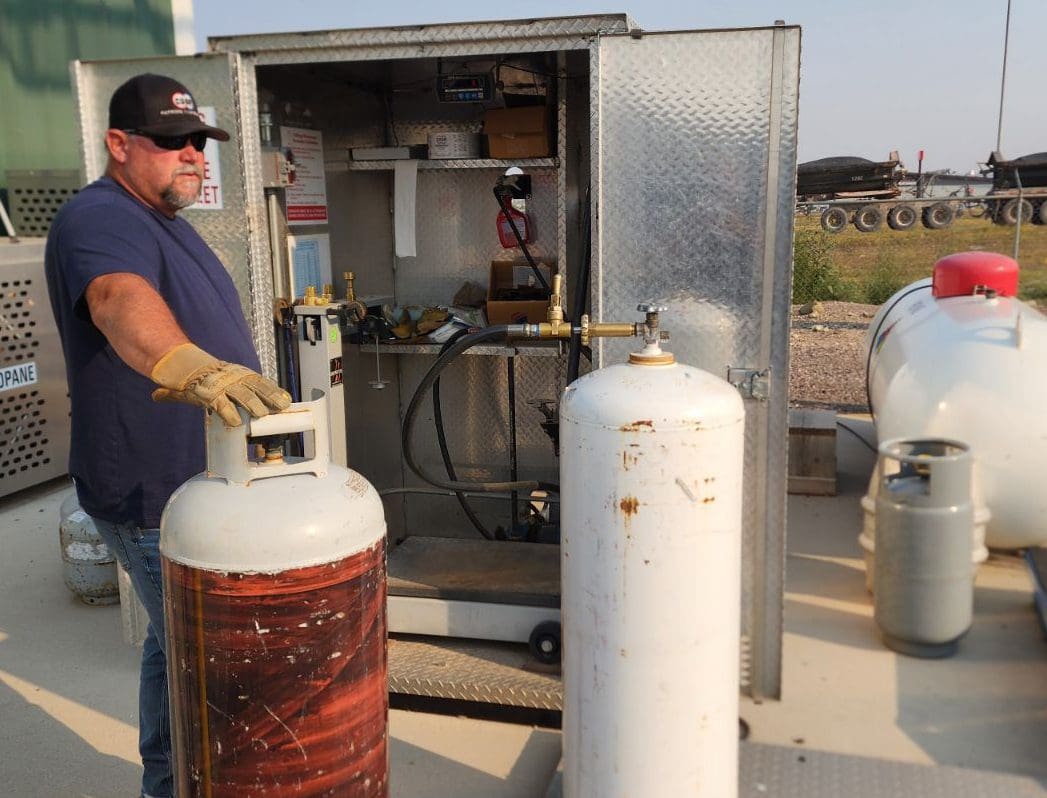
307,195
211,190
310,258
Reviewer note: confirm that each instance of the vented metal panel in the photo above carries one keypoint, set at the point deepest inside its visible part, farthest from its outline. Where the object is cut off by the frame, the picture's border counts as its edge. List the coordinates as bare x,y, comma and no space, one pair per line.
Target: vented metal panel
34,398
36,195
227,231
695,143
414,37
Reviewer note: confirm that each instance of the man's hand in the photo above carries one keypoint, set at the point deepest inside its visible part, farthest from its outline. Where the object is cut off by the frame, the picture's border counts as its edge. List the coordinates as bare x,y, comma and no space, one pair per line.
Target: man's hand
188,374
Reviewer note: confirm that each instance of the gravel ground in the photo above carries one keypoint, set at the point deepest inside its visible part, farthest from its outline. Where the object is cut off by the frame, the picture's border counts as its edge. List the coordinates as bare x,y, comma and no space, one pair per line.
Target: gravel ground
827,355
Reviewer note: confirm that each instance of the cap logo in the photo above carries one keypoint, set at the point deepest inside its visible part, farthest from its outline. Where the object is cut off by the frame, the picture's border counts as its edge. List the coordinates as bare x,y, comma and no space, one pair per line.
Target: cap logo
183,101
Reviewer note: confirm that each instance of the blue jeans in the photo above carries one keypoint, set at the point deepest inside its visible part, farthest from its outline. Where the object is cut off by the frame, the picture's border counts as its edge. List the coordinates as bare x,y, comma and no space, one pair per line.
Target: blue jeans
138,551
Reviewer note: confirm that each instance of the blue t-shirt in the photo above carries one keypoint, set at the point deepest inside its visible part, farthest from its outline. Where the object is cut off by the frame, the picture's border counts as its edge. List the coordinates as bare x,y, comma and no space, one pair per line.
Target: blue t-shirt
128,454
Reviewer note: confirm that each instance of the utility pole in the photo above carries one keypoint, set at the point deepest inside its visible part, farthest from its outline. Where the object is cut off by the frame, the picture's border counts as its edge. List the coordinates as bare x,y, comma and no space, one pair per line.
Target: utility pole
1003,76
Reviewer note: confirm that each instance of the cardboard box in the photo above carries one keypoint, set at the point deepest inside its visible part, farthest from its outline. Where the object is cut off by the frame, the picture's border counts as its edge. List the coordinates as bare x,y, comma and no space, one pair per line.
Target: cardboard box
512,311
518,132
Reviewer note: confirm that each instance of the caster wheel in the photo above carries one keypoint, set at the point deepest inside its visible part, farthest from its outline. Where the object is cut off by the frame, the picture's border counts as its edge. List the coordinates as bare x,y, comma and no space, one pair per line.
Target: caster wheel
545,642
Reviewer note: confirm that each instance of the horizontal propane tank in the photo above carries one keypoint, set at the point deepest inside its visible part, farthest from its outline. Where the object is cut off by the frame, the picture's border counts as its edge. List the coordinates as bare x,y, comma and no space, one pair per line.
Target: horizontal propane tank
958,356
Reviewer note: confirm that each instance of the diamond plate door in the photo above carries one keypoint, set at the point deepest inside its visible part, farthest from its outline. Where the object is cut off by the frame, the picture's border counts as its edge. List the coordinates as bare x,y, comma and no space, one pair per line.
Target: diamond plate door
228,230
694,142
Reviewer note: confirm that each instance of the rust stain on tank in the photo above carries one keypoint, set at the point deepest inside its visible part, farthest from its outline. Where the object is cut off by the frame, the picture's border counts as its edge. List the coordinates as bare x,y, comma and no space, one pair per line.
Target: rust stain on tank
638,426
708,499
630,505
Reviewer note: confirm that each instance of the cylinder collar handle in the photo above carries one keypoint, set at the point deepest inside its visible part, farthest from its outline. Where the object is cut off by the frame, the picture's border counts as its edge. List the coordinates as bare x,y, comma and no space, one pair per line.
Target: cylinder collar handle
228,447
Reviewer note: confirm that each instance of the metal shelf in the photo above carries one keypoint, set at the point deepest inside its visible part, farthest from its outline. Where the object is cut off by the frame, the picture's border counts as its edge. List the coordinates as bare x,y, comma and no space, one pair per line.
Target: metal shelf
542,349
464,163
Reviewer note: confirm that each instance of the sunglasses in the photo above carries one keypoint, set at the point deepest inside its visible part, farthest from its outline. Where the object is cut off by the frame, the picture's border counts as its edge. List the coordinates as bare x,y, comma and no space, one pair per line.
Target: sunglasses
198,140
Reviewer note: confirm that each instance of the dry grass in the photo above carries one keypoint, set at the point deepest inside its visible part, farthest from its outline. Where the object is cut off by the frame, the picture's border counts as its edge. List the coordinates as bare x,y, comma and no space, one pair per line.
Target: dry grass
910,255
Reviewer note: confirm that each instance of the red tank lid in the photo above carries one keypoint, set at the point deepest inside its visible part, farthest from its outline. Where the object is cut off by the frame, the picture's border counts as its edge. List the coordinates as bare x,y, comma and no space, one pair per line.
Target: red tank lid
967,273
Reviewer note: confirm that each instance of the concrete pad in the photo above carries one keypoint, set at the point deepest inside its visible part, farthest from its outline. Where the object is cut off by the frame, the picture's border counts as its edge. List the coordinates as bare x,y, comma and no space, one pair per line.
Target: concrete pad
69,693
68,682
844,692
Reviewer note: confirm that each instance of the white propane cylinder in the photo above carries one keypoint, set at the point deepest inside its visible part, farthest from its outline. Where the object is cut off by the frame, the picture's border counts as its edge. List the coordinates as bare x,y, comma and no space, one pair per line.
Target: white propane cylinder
651,476
88,567
958,356
274,599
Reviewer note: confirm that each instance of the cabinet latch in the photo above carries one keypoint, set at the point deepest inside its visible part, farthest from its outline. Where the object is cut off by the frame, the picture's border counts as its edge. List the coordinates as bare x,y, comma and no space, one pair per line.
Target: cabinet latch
751,383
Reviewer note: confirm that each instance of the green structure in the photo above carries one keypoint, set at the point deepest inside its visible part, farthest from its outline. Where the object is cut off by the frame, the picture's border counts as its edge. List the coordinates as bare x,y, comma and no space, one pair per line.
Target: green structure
38,39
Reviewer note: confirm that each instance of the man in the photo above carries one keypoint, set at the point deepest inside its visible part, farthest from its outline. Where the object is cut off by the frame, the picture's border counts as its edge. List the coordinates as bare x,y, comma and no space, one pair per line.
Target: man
141,301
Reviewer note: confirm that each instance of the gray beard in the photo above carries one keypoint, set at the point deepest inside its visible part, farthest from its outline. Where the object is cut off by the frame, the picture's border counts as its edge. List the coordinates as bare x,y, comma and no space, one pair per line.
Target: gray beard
178,200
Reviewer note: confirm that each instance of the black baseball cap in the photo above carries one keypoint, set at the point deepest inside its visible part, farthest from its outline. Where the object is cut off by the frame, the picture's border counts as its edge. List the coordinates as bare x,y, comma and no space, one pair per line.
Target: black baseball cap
158,105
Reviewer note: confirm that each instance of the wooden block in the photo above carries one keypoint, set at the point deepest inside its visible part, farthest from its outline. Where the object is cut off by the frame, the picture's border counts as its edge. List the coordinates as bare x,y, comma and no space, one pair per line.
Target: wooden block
812,452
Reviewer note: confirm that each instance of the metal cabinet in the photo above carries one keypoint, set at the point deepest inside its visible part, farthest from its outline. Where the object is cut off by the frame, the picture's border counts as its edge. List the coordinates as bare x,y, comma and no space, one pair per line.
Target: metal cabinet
686,142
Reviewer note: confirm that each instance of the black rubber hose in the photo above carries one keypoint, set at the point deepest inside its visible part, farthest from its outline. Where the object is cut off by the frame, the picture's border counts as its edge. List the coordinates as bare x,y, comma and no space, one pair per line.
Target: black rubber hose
581,291
507,210
872,344
514,473
488,334
438,420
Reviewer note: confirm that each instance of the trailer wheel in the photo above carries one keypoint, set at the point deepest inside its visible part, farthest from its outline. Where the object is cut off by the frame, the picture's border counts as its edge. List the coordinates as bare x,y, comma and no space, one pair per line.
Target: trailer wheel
834,220
1011,210
1040,217
545,642
938,216
868,219
901,217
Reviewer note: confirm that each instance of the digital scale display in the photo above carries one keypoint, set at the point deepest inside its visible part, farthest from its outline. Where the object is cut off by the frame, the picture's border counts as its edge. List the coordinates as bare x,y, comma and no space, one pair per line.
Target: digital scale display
463,88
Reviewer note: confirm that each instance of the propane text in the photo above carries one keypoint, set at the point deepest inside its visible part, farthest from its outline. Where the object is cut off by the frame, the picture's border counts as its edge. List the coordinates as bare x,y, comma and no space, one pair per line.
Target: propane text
19,376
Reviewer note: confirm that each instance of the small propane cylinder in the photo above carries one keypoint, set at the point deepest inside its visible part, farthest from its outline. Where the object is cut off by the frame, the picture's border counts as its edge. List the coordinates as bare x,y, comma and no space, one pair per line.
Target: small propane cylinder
274,592
651,474
924,584
88,567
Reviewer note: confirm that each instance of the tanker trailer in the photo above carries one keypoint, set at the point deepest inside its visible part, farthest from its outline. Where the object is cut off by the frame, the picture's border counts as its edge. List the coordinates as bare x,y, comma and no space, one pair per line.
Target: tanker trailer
959,356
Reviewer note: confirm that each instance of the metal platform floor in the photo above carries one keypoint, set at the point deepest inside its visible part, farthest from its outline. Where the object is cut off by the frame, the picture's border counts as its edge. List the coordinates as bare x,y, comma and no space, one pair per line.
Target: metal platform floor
772,771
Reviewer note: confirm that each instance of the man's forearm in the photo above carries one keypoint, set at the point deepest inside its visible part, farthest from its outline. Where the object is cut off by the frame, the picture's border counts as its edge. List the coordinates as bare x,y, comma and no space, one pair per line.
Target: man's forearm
134,319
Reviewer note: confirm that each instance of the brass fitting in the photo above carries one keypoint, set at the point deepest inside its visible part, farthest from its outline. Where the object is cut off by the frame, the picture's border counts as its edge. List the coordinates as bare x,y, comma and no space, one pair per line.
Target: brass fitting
606,329
354,308
555,327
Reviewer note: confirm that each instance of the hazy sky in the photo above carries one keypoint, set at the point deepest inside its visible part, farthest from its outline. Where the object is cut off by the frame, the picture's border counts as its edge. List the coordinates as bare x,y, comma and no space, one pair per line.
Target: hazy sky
890,75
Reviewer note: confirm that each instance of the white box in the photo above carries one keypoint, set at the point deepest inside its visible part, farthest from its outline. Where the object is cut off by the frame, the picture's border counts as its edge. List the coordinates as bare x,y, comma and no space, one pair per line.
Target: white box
454,145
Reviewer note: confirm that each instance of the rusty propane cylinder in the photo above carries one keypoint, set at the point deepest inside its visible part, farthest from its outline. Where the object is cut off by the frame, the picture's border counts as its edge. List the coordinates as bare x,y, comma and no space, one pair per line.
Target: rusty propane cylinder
274,602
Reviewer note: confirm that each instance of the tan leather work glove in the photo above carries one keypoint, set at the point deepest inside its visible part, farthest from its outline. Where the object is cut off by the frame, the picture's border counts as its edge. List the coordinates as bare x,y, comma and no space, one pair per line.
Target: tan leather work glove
188,374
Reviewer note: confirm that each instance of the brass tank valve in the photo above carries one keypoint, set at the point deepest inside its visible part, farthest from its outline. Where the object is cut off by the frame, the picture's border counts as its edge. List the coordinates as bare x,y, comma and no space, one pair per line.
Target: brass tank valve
651,333
354,308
